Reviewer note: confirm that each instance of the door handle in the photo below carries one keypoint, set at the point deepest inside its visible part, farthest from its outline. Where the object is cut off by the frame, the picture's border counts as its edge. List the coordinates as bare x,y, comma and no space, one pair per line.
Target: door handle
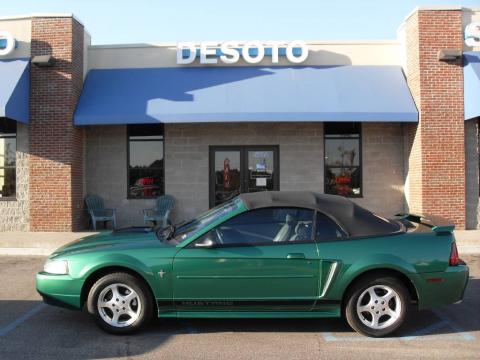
296,256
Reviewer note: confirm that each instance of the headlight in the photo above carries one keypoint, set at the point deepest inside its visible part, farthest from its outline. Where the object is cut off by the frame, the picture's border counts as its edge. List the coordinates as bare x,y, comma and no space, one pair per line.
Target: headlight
57,267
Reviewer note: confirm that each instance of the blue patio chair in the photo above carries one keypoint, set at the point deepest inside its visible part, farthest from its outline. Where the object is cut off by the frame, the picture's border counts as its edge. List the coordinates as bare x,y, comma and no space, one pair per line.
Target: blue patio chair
161,212
98,212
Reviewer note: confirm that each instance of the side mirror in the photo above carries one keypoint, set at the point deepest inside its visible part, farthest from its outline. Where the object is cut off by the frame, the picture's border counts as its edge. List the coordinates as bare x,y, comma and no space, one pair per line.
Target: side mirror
207,243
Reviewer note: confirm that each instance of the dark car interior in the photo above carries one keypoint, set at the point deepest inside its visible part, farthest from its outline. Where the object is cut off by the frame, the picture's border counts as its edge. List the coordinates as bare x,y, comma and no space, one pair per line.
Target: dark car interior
265,226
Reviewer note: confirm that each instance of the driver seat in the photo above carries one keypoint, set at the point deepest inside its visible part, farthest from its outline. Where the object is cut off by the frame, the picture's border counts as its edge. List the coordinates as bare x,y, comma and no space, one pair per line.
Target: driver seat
301,232
287,230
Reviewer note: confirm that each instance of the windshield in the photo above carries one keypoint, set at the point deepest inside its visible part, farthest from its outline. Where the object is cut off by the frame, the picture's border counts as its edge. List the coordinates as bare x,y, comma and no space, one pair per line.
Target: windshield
184,229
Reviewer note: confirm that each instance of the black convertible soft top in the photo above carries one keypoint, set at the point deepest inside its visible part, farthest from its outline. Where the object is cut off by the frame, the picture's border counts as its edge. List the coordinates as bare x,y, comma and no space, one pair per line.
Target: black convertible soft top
356,220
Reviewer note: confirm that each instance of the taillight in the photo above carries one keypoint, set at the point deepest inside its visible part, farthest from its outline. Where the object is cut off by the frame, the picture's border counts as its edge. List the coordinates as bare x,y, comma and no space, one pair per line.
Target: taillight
454,260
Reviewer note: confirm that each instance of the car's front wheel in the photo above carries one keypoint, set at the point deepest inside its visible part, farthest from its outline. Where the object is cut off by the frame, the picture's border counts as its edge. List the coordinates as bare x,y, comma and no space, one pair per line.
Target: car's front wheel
377,306
120,303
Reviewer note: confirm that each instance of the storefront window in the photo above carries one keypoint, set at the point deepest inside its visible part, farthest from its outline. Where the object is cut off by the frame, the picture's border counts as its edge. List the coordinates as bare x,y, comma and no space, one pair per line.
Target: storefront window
8,149
145,161
343,159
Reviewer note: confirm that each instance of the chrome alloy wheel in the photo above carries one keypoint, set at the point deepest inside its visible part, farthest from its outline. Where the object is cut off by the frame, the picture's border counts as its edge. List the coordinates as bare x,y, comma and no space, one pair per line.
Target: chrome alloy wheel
119,305
379,306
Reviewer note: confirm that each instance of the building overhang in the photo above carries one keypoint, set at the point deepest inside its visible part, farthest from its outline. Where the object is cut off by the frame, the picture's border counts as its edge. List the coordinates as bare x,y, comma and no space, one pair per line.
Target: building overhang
245,94
15,89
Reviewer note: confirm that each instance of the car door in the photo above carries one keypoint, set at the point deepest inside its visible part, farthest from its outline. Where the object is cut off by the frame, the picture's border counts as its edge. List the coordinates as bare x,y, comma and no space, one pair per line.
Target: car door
264,259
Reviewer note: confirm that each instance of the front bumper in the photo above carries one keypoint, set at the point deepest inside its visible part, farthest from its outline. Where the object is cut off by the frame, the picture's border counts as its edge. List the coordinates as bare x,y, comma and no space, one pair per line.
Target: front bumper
59,290
442,288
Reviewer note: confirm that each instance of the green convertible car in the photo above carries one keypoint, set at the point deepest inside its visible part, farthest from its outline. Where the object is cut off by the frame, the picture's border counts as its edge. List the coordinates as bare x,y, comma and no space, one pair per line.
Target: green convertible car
263,255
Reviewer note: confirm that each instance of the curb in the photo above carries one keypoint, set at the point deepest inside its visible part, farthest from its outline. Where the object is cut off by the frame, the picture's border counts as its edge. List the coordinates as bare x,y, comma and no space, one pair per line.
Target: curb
26,251
468,250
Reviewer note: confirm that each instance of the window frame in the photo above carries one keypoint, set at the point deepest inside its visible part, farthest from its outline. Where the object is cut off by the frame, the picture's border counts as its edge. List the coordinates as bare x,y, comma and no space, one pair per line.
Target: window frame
345,234
360,160
162,192
312,239
15,136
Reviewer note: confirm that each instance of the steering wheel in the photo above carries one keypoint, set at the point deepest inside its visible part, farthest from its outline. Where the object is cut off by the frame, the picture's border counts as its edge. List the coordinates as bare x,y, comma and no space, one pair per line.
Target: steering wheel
219,236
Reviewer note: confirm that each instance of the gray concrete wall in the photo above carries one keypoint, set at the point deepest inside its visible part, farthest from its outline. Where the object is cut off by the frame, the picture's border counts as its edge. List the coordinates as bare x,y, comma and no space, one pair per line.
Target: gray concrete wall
301,160
187,156
186,151
471,173
106,173
383,168
14,214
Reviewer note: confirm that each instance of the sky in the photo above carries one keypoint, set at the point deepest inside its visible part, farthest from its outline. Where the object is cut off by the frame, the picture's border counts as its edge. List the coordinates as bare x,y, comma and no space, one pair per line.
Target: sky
155,21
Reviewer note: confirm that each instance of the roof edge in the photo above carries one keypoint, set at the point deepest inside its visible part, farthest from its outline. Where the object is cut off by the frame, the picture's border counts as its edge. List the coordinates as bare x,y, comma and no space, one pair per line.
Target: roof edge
309,42
438,8
41,15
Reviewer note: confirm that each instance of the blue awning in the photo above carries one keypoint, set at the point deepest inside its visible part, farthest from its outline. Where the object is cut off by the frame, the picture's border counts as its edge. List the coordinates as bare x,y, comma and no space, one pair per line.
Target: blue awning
471,86
14,89
229,94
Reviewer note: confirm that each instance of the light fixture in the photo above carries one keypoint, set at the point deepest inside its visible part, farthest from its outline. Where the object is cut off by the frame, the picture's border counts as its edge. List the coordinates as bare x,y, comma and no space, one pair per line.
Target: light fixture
43,60
449,54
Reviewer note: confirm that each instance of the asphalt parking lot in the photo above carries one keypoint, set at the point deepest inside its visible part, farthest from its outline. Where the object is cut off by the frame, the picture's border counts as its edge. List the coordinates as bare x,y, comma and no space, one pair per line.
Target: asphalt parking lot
30,329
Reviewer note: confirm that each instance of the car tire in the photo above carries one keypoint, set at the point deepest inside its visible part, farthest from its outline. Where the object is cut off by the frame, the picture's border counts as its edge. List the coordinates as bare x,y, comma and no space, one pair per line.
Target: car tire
377,306
120,303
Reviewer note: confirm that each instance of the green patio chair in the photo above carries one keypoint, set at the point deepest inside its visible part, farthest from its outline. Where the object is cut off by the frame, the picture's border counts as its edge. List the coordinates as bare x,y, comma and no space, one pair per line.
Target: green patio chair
161,212
98,212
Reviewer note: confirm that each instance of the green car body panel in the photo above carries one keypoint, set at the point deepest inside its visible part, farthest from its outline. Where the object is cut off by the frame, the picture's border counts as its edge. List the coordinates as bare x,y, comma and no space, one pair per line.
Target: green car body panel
286,280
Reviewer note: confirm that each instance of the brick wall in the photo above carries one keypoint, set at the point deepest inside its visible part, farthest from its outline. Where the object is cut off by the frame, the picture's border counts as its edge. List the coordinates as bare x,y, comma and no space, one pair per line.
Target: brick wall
56,150
413,149
436,166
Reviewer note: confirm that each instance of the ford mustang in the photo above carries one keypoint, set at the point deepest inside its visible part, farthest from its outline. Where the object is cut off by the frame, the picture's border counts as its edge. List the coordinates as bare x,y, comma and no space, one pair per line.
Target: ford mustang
263,255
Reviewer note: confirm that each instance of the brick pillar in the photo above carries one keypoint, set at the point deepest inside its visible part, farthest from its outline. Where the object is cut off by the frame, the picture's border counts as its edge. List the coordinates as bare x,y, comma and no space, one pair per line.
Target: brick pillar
56,146
436,163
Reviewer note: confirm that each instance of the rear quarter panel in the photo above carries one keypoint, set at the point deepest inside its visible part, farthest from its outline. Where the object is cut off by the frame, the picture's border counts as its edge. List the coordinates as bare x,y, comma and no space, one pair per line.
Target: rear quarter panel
409,253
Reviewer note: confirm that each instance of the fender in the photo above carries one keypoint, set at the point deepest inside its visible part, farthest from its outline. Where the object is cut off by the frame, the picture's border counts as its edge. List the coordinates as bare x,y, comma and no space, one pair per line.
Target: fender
119,260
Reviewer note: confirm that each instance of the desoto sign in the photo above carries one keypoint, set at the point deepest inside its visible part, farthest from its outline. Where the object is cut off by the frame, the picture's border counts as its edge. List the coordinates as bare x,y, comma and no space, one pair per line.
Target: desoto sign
252,52
7,43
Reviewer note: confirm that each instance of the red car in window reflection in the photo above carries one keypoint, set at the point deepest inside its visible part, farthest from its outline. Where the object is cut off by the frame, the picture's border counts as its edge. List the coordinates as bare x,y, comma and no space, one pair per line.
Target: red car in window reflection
144,187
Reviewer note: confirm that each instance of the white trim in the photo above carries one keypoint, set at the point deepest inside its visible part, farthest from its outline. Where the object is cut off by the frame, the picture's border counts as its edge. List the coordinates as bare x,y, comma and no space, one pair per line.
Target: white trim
440,7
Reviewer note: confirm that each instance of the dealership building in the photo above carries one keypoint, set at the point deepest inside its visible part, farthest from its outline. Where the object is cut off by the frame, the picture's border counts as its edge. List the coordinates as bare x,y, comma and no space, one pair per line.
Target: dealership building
391,124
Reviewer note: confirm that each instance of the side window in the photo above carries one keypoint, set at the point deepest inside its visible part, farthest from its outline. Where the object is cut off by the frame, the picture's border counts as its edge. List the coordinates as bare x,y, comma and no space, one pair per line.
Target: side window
145,161
263,227
327,229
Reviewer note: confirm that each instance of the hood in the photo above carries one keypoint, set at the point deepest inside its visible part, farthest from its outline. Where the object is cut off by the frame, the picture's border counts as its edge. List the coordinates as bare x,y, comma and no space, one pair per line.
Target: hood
110,240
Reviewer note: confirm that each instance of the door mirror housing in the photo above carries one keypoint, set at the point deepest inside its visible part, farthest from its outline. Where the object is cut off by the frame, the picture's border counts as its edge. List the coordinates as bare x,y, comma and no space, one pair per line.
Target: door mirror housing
206,243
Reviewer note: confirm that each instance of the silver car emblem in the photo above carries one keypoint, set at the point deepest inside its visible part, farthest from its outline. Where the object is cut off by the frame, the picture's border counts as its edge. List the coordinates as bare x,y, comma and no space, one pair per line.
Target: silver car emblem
161,273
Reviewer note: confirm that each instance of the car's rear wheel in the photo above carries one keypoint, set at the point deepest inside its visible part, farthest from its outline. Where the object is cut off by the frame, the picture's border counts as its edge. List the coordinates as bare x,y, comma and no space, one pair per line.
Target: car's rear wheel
120,303
377,306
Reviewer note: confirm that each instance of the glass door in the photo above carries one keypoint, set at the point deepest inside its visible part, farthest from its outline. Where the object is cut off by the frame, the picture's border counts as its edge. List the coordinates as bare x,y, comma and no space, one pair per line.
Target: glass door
240,169
261,170
225,175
